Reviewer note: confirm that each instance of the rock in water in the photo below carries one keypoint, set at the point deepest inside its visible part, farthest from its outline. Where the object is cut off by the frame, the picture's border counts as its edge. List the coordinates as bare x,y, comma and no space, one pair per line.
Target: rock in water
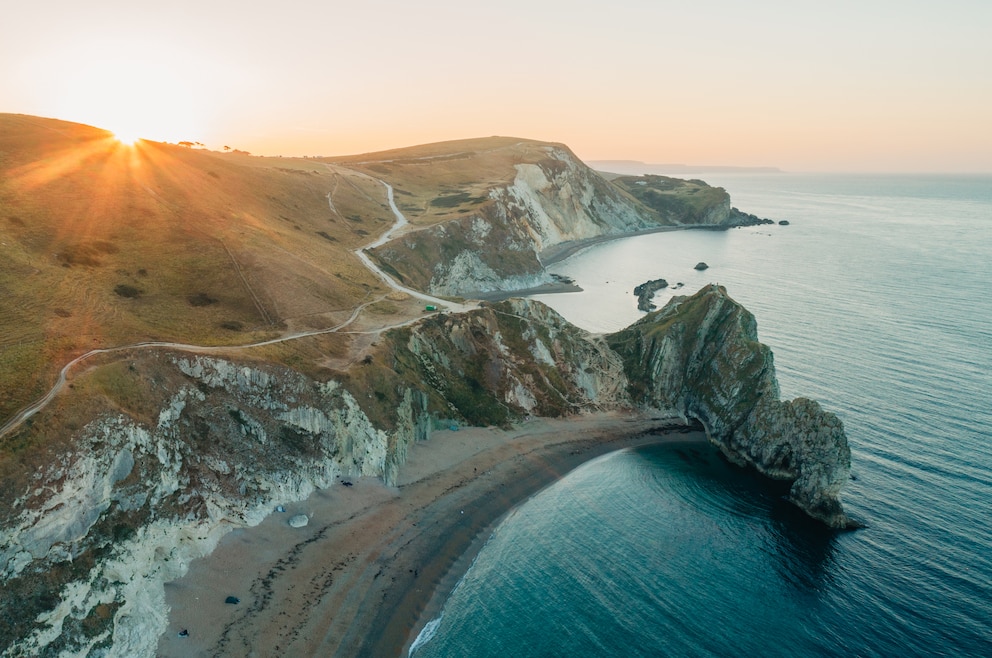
701,266
299,520
645,292
700,356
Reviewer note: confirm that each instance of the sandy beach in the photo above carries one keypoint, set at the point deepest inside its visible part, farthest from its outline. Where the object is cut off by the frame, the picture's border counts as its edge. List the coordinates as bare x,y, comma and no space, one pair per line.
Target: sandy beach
375,563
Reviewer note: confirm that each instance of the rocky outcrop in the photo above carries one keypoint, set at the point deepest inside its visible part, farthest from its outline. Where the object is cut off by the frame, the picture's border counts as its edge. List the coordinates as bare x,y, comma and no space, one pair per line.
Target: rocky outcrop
645,293
512,359
699,356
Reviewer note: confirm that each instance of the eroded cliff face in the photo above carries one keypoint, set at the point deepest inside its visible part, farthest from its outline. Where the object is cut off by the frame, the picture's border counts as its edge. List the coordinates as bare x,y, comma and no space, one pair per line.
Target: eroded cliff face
699,356
88,543
90,540
552,200
99,532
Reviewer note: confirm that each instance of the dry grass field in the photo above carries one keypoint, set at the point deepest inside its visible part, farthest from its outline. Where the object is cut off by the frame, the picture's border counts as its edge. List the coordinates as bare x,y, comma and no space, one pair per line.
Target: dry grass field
103,244
438,182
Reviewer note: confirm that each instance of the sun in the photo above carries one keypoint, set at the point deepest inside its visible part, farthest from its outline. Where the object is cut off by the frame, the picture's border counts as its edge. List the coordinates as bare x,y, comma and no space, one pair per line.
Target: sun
135,90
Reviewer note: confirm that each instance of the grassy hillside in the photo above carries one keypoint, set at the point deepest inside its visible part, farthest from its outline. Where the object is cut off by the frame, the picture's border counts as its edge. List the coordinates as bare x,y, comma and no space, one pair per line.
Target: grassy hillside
439,182
103,244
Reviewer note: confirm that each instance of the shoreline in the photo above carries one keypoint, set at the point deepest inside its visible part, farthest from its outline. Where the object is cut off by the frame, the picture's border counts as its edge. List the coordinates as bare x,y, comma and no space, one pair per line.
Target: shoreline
375,564
544,289
564,250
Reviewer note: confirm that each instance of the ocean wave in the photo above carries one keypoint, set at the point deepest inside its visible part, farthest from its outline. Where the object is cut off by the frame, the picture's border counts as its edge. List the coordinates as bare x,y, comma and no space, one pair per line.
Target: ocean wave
425,635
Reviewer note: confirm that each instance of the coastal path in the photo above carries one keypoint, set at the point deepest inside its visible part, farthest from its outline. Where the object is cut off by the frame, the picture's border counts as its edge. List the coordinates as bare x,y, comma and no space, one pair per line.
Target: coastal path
21,416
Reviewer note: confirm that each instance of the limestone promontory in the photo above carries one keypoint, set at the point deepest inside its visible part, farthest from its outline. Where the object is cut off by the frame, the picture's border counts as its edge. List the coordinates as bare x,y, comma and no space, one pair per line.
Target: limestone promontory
700,356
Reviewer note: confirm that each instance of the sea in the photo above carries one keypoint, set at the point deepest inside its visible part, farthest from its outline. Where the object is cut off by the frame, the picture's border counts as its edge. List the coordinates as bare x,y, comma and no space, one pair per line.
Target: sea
876,300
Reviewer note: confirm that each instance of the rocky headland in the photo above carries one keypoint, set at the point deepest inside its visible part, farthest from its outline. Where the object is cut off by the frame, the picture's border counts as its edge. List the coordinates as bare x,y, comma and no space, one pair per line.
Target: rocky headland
502,241
700,356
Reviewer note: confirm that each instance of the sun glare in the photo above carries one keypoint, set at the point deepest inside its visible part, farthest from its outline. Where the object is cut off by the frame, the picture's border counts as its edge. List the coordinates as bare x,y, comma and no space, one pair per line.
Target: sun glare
136,90
125,137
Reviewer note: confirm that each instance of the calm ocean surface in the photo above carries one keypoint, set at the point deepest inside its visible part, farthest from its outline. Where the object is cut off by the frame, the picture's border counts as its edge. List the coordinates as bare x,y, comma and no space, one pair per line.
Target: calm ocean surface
877,301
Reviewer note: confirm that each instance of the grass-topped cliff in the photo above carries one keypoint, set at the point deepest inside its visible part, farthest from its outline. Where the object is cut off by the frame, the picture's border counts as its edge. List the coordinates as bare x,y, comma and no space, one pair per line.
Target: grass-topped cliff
482,211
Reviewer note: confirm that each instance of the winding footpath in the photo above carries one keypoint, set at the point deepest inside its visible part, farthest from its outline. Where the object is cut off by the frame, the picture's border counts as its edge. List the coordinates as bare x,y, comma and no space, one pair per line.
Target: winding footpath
363,256
21,416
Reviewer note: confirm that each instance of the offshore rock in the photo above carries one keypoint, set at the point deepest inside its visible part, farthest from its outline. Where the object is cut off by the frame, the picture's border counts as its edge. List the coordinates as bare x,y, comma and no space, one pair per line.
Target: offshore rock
699,356
645,293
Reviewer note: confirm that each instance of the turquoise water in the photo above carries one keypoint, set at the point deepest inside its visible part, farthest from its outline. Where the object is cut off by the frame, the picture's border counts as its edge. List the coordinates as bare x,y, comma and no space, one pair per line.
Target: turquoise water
876,302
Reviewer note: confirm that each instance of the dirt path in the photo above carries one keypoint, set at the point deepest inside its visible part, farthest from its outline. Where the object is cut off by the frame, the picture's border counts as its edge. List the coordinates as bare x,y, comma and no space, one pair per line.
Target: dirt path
400,223
18,419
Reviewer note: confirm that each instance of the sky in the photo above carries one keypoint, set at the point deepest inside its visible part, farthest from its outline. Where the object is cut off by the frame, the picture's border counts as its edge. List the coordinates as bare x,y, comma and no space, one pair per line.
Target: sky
866,85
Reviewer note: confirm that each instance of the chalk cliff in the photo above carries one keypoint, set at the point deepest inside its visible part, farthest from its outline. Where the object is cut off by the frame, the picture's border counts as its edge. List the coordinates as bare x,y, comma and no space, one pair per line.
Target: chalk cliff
551,198
87,546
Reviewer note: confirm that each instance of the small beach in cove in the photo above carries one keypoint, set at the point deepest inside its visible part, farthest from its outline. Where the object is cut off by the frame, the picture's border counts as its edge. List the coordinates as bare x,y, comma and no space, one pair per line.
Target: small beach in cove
375,563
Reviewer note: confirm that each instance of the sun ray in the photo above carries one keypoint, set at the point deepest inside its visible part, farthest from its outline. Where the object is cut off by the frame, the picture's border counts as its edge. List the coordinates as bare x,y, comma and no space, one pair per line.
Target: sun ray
71,159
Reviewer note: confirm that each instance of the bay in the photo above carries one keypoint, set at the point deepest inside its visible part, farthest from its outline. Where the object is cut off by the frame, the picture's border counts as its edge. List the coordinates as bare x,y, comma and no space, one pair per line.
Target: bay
875,300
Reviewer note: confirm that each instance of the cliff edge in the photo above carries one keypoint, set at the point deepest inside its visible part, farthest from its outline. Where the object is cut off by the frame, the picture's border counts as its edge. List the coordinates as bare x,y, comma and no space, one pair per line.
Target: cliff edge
490,227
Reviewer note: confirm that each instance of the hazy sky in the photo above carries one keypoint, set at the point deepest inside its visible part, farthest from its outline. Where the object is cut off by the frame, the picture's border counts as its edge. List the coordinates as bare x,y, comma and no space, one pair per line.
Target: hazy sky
867,85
